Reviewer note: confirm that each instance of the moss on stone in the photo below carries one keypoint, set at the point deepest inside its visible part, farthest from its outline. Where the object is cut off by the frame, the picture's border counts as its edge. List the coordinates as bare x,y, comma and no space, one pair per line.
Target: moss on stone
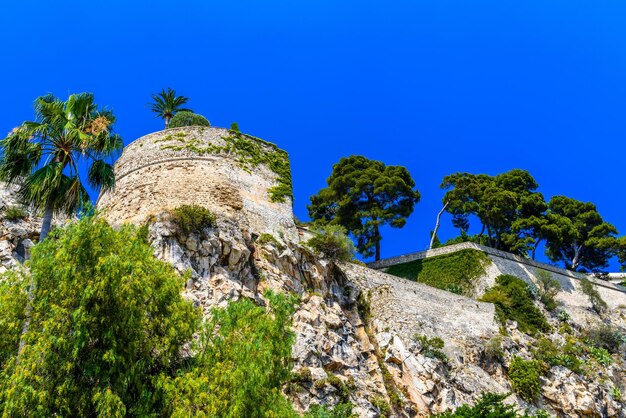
456,272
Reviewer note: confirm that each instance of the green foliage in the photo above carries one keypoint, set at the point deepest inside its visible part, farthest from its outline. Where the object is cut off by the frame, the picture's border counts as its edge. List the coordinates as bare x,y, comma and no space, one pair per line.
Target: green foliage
583,240
616,394
490,405
363,195
249,152
597,303
244,358
548,288
106,318
514,301
13,296
15,213
431,347
167,103
562,315
507,206
382,405
193,218
331,241
187,118
493,348
524,375
234,127
42,156
601,355
341,410
456,272
266,238
604,336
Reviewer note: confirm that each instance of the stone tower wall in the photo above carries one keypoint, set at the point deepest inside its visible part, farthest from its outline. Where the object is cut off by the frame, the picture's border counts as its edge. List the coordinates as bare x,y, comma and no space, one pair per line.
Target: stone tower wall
196,165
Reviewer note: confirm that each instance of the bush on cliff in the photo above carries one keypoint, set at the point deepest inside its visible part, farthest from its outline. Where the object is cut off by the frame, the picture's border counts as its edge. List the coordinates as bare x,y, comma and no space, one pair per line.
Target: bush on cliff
186,118
106,318
514,301
490,405
331,241
193,218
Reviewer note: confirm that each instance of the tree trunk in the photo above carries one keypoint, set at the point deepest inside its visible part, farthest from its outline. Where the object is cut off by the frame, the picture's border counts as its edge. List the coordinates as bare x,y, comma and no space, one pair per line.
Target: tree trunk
576,258
432,239
45,229
377,235
46,223
167,122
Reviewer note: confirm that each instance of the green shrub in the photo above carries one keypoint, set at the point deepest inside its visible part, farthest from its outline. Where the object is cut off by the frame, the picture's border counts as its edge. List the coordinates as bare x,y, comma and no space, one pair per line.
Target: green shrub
15,213
490,405
597,303
243,360
601,355
193,218
548,288
332,242
456,272
185,118
493,348
514,301
604,336
562,315
524,375
106,317
267,239
431,347
382,405
341,410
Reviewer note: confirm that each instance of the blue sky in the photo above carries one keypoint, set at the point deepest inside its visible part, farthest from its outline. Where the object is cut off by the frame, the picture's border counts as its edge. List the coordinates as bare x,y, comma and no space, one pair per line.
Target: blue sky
438,86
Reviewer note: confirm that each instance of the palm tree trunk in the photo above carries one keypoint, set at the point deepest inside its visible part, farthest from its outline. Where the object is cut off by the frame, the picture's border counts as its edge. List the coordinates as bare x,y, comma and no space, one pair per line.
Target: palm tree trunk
45,229
46,223
167,122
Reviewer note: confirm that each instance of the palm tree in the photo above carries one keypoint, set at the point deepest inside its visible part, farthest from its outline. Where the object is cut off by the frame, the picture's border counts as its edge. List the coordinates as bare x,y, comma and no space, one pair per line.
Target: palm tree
43,156
167,103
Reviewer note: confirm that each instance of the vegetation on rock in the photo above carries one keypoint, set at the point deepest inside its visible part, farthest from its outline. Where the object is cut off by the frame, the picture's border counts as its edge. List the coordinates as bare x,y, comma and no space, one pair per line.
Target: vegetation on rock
332,242
524,375
490,405
456,272
363,195
193,218
188,118
597,303
514,301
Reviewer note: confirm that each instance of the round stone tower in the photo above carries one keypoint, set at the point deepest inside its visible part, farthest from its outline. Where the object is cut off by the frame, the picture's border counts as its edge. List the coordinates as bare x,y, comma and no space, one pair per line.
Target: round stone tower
232,174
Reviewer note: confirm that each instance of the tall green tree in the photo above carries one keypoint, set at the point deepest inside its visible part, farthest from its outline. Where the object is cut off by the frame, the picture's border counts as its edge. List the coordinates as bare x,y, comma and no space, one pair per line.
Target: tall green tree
582,239
107,320
166,104
363,195
498,202
43,156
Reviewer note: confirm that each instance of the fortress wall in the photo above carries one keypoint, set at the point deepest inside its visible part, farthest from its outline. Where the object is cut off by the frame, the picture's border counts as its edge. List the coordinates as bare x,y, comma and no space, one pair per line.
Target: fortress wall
505,263
162,171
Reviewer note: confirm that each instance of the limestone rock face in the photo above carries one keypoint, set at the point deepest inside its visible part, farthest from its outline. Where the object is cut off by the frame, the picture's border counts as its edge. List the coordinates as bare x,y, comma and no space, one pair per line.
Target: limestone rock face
356,327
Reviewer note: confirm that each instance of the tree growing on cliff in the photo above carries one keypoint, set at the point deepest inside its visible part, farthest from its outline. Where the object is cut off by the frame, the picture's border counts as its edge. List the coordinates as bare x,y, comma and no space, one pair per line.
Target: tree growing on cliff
107,318
42,156
500,203
166,104
363,195
582,239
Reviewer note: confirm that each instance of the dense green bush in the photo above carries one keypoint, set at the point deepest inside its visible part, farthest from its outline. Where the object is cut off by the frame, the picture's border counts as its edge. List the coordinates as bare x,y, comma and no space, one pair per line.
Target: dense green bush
341,410
106,318
431,347
15,213
266,238
186,118
332,242
514,301
456,272
244,358
524,375
548,289
193,218
490,405
597,303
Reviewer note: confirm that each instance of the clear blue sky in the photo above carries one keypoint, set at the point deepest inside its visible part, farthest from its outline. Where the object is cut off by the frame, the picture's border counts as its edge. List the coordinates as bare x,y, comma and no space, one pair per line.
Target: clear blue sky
438,86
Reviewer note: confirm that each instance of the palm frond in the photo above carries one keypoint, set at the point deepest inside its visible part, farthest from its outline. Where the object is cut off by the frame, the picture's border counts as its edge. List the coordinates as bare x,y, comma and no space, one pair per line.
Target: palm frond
101,175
